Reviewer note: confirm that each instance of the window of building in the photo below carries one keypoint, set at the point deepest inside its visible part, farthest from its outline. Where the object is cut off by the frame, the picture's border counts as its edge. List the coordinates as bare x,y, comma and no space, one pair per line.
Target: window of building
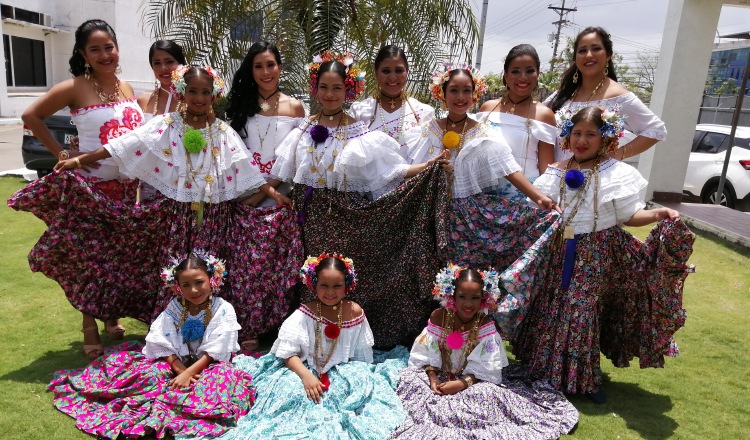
24,62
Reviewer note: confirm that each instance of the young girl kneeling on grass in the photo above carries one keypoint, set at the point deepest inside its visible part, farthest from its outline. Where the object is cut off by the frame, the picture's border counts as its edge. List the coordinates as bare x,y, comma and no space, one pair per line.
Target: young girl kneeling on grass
452,388
318,381
181,382
611,293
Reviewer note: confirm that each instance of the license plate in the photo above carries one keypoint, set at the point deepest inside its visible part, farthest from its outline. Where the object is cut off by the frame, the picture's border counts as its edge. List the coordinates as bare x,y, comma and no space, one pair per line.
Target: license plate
68,138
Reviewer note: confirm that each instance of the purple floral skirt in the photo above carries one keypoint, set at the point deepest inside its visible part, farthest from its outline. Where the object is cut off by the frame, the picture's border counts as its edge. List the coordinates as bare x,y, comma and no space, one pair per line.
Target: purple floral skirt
107,256
624,301
490,231
513,410
125,394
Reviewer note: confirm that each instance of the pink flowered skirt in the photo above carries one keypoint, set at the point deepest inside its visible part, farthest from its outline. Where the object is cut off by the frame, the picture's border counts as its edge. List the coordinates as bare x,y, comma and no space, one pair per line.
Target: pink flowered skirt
125,394
107,256
624,301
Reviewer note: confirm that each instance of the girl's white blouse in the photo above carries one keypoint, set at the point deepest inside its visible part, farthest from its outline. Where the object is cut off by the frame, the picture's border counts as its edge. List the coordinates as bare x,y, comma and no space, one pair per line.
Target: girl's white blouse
219,340
522,136
155,154
482,163
297,338
620,195
352,158
411,114
485,361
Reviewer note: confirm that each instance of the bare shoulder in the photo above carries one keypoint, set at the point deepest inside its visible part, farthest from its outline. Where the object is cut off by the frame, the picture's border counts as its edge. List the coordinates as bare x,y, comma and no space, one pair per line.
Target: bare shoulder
355,310
127,89
294,106
143,99
545,114
615,89
437,316
489,105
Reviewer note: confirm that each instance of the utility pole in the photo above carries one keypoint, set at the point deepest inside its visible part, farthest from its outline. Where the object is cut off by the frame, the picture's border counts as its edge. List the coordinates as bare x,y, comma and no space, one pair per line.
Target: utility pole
482,24
561,11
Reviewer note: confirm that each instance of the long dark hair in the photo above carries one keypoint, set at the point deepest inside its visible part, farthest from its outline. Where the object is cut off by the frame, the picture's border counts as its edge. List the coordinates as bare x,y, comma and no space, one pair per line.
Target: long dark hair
77,62
519,51
243,98
170,47
390,51
567,86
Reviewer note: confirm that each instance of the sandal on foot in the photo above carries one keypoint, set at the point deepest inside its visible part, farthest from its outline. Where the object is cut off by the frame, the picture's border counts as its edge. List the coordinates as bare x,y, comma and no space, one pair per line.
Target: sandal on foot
115,331
250,345
92,351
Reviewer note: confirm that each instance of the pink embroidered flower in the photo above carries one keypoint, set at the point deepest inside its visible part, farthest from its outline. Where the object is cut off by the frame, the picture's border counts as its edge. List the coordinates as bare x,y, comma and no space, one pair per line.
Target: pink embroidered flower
131,118
138,153
169,164
156,169
188,185
229,178
109,130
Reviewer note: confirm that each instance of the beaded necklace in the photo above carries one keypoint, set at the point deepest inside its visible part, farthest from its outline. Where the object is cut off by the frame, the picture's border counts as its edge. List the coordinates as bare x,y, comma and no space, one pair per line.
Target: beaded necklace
155,97
206,306
596,89
268,127
315,159
320,360
190,178
579,197
468,346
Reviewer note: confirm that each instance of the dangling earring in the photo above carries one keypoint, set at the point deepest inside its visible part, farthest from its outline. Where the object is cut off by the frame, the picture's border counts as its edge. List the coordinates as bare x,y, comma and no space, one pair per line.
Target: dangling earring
87,71
211,110
376,94
606,70
404,96
118,70
575,77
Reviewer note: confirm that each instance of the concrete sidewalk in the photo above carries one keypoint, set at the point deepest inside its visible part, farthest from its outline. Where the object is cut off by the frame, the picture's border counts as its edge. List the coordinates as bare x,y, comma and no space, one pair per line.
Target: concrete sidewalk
26,173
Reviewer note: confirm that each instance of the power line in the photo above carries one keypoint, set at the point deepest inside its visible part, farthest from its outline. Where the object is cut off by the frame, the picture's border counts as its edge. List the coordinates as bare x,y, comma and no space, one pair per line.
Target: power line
561,12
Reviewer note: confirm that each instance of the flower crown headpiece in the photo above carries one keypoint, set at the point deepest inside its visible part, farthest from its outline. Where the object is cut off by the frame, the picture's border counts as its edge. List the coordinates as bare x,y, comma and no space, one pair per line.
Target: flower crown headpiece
179,85
355,77
310,278
442,74
217,268
445,289
612,129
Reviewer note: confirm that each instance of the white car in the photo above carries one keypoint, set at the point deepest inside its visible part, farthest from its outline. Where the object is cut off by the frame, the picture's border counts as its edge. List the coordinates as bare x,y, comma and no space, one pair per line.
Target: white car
707,160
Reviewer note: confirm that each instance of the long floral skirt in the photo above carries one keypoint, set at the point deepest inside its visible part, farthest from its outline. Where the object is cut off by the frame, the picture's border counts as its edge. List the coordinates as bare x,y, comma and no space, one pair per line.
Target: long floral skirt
361,402
513,410
107,256
125,394
624,301
490,231
393,242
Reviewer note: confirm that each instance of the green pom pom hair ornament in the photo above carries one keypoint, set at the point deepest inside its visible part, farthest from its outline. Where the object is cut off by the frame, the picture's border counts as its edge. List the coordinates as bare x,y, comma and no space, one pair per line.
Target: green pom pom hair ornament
194,140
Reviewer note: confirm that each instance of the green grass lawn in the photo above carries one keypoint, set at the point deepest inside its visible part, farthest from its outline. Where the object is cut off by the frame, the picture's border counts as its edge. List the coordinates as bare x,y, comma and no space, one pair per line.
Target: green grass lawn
703,394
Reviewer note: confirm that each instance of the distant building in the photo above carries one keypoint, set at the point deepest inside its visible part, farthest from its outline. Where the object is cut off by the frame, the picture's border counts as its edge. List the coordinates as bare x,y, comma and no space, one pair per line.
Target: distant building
728,60
38,38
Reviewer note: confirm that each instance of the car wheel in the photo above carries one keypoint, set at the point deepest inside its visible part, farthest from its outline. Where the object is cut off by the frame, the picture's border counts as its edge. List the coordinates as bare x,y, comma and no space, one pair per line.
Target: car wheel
42,173
727,198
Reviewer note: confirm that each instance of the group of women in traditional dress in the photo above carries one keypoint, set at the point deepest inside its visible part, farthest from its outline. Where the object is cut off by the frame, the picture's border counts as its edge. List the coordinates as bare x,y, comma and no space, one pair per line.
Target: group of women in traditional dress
473,208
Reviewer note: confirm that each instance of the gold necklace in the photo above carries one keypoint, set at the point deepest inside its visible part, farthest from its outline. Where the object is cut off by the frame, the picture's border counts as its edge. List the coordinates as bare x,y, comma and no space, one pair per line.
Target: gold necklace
579,197
316,159
155,97
469,345
392,101
193,173
319,338
596,89
107,97
195,117
268,127
265,106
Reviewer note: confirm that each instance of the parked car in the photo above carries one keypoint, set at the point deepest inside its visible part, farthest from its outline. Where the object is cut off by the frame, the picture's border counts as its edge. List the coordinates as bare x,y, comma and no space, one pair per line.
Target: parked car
707,160
35,155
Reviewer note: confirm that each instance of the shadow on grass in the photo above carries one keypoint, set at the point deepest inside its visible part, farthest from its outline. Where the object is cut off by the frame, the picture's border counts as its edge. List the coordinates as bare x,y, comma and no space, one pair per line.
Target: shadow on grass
642,411
42,369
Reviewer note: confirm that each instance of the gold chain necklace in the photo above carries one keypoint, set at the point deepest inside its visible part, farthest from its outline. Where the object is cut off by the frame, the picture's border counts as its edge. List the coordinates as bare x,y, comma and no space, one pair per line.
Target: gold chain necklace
512,110
316,159
193,173
155,97
104,96
569,231
469,345
596,89
268,127
319,338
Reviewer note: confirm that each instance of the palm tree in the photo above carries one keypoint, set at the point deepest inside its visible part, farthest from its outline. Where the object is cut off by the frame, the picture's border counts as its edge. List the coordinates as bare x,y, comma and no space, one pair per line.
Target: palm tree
220,31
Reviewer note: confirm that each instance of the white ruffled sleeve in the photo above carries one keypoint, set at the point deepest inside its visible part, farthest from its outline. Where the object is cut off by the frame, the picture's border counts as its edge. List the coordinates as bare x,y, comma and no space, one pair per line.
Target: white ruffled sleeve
425,351
285,167
543,132
622,185
482,164
362,350
488,358
163,338
371,163
423,143
293,339
220,338
641,120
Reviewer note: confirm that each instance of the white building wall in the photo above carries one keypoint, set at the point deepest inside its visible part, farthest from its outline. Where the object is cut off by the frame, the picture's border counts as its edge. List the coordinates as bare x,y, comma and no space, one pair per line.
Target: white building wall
123,15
